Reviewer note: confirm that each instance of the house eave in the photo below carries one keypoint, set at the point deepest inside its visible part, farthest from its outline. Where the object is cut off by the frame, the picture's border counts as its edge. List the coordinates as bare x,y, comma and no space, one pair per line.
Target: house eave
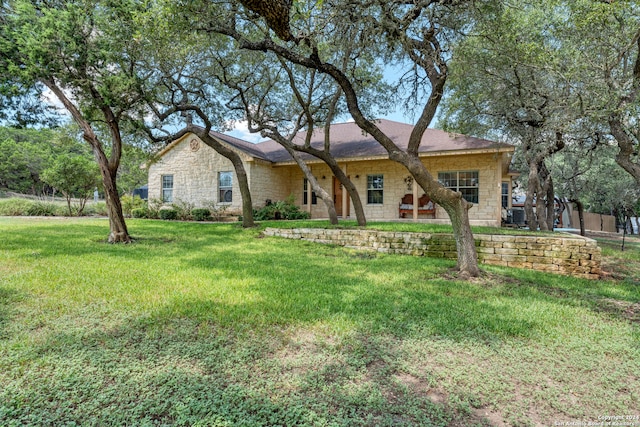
245,156
421,155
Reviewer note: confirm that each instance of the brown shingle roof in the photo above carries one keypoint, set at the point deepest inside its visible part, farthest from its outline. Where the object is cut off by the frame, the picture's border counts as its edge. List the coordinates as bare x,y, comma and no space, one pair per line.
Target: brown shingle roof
349,142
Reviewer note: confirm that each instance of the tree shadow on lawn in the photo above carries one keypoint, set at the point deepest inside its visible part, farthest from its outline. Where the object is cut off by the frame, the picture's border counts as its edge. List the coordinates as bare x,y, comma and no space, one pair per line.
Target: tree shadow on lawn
88,238
263,358
187,372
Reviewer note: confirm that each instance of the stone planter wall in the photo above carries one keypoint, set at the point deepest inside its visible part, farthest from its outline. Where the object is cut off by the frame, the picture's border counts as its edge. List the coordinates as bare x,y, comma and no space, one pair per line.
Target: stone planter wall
565,254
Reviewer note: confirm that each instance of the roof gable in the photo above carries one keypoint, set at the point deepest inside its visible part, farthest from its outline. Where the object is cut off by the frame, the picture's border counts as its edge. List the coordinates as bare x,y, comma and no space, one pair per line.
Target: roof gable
348,141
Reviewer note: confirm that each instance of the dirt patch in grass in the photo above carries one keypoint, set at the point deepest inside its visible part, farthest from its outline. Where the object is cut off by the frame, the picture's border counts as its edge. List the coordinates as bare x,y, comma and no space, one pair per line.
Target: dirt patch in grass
482,416
625,309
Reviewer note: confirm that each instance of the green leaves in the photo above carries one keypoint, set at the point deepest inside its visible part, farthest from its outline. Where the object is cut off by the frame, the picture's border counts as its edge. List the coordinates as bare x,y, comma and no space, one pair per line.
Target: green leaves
74,175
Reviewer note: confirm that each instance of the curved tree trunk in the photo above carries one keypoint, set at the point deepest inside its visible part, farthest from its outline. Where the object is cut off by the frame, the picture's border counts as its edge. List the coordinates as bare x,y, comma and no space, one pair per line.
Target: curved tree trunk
421,52
118,232
458,210
628,150
315,186
347,184
241,173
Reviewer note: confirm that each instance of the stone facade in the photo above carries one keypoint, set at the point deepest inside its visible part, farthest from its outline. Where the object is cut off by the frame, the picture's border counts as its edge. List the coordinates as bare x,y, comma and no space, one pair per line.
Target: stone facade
486,212
195,169
566,254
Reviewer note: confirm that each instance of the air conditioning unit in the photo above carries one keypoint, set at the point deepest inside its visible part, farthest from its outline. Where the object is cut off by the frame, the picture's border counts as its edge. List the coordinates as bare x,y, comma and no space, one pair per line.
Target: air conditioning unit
226,196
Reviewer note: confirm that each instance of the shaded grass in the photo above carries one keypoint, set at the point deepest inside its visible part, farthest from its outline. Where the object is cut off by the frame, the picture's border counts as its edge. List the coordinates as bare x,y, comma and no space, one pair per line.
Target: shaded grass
209,324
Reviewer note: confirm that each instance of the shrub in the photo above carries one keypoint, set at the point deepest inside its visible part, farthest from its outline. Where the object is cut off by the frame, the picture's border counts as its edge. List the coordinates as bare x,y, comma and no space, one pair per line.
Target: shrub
218,213
42,209
183,209
15,207
168,214
153,208
99,208
129,203
140,213
283,209
201,214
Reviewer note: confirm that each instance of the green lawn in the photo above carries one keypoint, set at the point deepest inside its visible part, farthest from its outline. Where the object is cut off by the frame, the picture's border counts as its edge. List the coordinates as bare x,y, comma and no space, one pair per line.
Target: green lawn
212,325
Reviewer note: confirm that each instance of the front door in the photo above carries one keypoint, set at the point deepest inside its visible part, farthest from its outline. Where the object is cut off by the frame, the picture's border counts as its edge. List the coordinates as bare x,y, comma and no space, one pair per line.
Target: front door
337,197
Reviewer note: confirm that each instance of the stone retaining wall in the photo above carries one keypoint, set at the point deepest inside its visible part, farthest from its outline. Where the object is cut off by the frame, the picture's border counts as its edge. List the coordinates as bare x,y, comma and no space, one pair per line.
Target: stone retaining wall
565,254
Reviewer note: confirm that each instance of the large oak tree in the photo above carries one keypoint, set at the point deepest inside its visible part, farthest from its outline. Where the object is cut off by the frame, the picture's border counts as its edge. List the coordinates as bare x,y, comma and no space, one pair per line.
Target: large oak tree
67,48
411,34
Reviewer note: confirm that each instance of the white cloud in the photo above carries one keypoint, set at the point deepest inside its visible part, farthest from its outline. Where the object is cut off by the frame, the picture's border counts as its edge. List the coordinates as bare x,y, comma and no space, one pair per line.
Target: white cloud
50,98
240,130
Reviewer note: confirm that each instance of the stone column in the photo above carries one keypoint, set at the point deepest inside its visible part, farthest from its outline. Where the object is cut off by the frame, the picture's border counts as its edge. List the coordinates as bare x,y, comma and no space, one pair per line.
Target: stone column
309,193
415,200
345,195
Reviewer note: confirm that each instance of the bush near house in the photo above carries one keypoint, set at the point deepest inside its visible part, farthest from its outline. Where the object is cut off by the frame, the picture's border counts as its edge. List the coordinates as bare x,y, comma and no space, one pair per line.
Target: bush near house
129,203
140,213
282,209
201,214
168,214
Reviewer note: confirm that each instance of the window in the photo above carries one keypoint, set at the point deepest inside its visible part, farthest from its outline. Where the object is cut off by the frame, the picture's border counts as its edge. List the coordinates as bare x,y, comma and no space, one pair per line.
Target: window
505,195
167,188
464,182
375,189
225,184
314,198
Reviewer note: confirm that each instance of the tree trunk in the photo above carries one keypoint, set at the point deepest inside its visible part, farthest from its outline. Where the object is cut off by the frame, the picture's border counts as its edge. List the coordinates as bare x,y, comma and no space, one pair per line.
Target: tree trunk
549,198
311,179
465,243
532,186
68,197
580,207
627,147
458,210
241,173
118,232
347,184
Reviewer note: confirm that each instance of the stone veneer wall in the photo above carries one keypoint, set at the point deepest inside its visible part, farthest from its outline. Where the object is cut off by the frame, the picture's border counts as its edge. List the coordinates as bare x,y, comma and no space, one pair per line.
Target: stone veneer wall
566,254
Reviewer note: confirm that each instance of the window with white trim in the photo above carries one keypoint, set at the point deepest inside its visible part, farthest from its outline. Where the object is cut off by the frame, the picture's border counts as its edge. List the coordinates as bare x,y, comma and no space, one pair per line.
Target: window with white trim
167,188
465,182
225,184
505,195
375,189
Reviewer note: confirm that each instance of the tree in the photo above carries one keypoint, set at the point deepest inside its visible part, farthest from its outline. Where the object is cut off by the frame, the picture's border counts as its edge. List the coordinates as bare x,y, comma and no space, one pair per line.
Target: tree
605,37
20,167
178,97
25,153
507,83
414,34
67,49
280,101
75,177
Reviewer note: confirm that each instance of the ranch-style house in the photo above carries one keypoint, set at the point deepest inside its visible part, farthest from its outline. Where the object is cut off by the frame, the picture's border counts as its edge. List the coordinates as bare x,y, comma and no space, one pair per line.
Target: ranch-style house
190,171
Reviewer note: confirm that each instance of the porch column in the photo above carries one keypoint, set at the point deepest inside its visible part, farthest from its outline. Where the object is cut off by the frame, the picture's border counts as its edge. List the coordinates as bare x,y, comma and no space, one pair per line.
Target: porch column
415,199
344,195
499,178
309,192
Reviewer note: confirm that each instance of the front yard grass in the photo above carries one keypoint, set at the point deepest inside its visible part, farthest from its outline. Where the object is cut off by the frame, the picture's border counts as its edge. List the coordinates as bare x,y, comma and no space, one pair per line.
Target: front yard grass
213,325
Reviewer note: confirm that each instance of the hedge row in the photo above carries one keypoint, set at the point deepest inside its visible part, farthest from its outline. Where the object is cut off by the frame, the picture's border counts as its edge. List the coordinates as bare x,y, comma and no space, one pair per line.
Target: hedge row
25,207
